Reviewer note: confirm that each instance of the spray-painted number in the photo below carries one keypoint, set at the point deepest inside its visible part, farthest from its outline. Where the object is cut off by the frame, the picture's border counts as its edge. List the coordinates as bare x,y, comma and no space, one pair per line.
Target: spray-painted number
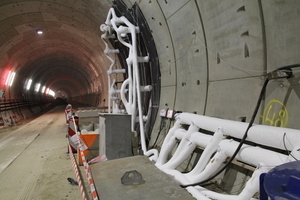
275,114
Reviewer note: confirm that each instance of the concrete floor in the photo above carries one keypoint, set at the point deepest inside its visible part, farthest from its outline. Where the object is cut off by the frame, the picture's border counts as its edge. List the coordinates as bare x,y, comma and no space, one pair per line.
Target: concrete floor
34,164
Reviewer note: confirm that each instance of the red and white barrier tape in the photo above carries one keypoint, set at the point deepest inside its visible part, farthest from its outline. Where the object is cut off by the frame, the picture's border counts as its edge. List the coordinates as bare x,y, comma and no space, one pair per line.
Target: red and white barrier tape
87,169
88,175
78,178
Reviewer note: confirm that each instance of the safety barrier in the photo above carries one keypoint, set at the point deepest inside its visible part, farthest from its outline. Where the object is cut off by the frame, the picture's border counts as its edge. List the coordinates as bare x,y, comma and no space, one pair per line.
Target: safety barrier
78,177
81,146
266,153
6,105
11,111
89,176
8,120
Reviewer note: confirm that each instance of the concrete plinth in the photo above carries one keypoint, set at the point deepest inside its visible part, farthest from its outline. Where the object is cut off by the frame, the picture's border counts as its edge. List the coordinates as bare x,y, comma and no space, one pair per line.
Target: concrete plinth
107,177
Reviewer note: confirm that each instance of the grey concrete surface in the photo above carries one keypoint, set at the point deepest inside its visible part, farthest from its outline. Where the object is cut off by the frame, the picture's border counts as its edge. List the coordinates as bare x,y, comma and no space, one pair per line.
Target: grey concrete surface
34,163
108,174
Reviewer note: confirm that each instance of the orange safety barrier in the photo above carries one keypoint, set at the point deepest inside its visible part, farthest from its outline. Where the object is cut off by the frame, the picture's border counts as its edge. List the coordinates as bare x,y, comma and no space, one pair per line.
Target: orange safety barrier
92,143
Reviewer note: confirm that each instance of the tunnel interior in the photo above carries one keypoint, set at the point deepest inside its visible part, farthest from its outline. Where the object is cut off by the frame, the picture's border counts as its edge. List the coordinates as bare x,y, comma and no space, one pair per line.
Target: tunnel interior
208,53
64,57
207,59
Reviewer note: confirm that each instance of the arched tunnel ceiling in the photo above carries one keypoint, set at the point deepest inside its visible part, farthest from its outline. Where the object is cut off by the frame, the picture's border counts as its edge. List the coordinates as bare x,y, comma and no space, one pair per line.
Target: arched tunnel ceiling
66,57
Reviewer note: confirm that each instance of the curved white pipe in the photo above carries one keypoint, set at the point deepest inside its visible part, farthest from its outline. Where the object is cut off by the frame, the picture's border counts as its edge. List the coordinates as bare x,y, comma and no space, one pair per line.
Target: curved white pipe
169,143
262,158
251,187
214,164
195,193
152,154
188,144
185,148
247,154
210,148
255,156
178,135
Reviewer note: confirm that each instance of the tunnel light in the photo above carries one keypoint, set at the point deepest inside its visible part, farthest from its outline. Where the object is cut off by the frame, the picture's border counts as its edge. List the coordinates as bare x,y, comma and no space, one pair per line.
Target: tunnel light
40,32
43,89
28,84
10,78
7,78
47,91
50,92
37,87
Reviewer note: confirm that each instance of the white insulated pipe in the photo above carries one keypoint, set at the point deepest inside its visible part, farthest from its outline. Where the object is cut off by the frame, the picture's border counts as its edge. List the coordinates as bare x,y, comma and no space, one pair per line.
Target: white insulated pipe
122,26
252,186
169,142
260,134
210,148
189,143
195,193
184,149
255,156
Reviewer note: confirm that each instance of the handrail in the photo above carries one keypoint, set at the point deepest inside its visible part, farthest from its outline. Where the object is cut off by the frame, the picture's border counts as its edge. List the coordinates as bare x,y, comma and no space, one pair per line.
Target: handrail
11,104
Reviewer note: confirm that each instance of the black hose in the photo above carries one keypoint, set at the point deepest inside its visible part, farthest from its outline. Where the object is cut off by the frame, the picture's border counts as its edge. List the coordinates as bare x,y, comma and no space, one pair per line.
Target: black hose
162,124
242,141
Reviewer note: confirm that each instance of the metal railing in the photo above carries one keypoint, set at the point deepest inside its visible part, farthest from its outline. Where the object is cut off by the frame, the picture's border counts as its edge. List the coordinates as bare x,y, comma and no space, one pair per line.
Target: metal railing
11,104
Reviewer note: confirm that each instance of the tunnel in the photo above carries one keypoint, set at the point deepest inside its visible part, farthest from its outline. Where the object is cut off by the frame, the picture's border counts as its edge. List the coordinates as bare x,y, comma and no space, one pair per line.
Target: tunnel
207,58
200,60
196,61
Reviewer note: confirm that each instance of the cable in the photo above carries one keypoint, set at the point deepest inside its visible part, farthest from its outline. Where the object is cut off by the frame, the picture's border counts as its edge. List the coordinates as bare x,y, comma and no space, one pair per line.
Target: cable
162,124
282,72
289,152
242,141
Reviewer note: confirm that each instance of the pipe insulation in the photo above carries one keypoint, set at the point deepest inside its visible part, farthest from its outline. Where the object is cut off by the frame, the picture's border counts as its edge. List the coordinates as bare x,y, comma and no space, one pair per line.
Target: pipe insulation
260,134
252,186
254,156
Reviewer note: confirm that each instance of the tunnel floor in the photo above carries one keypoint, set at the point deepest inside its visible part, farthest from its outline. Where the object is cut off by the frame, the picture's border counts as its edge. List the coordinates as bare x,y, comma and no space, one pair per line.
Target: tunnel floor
34,163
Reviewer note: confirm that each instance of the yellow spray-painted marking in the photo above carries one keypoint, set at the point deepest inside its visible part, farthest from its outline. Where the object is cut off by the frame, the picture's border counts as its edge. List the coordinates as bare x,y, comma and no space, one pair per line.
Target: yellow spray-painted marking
275,114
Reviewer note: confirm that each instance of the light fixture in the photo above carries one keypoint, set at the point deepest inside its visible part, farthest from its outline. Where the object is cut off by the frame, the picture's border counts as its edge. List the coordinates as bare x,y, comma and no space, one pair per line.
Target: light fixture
28,84
39,31
51,92
37,87
10,78
43,89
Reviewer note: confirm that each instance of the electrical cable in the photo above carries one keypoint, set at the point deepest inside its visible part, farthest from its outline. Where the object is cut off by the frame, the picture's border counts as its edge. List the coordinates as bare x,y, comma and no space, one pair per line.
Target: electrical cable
162,124
242,141
289,152
278,73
